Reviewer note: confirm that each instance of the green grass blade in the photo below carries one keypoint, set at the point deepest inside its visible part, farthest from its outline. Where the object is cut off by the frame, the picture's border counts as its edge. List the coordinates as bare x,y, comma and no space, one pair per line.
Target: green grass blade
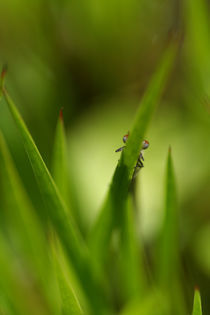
14,287
61,172
197,22
69,298
197,307
117,195
168,264
168,255
132,273
68,286
23,226
60,162
82,262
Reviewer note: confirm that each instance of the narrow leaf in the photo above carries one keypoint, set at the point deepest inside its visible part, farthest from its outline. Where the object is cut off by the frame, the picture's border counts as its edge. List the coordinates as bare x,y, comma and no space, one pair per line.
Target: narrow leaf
110,214
132,273
14,287
23,227
77,252
69,298
168,255
168,265
60,163
68,290
197,308
61,172
197,22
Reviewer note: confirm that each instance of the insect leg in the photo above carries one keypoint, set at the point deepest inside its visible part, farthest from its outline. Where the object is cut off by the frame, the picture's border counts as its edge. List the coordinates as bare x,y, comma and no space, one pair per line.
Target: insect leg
120,149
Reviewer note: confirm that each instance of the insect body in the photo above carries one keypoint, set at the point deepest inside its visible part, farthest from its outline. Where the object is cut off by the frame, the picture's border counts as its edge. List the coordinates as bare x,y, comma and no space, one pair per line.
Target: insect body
139,163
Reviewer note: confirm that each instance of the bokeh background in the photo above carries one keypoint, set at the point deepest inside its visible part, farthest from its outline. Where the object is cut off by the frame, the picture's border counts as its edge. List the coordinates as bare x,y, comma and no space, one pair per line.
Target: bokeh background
95,59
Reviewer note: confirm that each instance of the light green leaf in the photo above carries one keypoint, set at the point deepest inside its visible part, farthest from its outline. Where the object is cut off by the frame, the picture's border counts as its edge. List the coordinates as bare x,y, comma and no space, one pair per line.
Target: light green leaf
110,215
197,308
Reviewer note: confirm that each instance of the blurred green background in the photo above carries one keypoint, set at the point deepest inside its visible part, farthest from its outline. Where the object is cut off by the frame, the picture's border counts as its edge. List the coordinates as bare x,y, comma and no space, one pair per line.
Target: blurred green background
95,59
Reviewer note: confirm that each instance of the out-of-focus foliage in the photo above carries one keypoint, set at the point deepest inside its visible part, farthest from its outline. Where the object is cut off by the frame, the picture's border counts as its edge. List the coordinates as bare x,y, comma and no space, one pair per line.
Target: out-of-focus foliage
95,59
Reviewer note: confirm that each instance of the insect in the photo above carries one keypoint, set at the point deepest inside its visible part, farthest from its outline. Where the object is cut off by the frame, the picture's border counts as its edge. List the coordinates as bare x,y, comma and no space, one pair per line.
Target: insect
139,163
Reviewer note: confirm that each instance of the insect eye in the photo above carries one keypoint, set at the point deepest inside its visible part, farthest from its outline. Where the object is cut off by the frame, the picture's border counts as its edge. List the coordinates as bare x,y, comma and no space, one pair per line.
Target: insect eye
145,144
125,138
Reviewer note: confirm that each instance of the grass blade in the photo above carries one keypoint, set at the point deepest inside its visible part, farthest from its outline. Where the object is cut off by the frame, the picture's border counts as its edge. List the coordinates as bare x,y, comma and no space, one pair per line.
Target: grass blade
197,308
60,163
78,255
61,172
117,195
14,287
69,298
168,267
23,227
197,57
132,274
68,285
168,255
197,20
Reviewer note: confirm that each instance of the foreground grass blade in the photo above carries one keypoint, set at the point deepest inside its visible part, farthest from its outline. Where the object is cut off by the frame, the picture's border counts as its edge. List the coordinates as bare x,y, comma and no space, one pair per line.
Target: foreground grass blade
56,211
23,227
197,308
117,195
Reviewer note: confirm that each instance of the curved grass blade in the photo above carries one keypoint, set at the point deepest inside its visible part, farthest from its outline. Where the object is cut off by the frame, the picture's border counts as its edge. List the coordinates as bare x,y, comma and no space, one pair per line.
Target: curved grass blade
197,307
23,227
84,266
110,215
